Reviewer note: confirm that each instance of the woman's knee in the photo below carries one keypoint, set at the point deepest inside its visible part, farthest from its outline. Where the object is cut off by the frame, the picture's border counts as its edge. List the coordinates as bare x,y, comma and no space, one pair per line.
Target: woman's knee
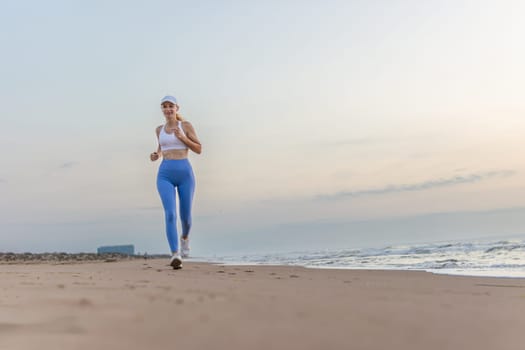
170,216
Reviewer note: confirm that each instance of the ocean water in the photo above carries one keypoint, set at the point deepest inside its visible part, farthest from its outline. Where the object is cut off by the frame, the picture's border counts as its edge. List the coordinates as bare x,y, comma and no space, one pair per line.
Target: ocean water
497,258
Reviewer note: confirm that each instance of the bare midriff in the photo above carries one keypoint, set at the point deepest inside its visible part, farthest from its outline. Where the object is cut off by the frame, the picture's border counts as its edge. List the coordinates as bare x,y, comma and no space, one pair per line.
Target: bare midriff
175,154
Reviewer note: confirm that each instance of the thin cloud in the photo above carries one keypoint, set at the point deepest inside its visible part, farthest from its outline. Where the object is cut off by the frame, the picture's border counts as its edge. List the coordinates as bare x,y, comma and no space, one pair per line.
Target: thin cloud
147,208
355,141
3,181
420,155
349,142
421,186
67,165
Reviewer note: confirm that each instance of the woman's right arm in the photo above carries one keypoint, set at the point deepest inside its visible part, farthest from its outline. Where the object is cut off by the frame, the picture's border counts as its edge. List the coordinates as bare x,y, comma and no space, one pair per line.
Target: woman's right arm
156,155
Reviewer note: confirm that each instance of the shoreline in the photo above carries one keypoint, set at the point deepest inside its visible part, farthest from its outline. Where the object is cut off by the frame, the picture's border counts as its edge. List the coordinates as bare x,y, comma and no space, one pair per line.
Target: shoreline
60,258
361,269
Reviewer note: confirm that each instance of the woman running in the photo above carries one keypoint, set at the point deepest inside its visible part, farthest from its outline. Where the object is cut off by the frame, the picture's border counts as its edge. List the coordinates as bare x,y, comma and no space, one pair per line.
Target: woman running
175,173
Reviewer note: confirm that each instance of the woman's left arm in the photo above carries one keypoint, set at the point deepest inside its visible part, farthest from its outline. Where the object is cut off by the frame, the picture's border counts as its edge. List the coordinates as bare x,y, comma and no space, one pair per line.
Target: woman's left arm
191,140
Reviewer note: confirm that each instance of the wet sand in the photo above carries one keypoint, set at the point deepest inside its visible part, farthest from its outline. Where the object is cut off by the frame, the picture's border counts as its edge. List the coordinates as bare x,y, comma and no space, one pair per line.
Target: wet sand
144,304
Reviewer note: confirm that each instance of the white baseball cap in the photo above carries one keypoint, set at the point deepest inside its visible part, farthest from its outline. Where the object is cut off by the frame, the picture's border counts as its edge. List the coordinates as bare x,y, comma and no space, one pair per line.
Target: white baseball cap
169,98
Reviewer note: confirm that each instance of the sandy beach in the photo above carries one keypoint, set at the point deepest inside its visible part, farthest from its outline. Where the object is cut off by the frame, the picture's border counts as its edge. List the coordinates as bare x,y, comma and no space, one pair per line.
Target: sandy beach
143,304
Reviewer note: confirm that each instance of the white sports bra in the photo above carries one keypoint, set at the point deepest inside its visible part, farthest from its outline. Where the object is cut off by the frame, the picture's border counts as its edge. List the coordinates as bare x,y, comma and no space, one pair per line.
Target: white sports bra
171,141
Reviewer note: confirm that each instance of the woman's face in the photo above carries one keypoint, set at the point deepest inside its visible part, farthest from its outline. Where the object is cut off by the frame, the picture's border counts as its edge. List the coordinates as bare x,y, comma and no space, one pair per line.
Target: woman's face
169,109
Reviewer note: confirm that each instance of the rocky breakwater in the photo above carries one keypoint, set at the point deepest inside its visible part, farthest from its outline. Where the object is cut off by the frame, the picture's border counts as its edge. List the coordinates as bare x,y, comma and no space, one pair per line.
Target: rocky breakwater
63,258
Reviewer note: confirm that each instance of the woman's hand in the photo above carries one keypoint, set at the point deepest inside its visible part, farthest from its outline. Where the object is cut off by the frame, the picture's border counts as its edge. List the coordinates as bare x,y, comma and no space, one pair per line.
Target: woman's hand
154,156
178,132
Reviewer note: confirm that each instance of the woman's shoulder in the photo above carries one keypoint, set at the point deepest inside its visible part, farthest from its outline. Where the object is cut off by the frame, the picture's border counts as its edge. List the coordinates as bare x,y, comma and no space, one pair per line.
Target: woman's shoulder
186,124
158,128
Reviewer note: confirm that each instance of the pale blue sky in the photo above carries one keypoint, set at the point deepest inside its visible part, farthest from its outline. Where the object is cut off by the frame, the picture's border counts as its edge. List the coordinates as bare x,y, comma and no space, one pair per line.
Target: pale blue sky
324,123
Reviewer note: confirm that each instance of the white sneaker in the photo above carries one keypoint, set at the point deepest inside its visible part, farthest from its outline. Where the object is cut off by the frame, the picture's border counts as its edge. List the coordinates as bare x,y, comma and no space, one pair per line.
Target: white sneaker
176,261
185,247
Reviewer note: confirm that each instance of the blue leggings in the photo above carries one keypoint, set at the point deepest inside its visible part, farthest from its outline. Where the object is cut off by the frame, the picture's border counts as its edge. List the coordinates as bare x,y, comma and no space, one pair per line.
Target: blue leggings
176,174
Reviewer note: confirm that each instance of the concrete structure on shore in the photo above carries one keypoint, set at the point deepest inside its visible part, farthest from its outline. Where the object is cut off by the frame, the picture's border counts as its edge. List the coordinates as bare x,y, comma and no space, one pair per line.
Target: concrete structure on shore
122,249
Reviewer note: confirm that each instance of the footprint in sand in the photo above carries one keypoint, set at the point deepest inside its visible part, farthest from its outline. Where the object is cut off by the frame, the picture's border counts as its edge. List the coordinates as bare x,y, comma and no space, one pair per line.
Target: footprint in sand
8,327
65,325
164,288
85,302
